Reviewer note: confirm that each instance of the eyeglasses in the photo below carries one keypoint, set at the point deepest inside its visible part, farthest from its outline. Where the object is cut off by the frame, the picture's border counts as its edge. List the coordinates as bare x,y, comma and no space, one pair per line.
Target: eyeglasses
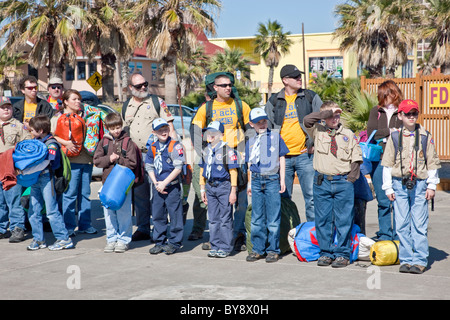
224,85
31,88
56,87
139,86
411,114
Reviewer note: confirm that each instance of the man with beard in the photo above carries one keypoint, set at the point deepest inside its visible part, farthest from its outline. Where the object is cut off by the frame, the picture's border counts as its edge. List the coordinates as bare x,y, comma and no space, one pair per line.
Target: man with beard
138,113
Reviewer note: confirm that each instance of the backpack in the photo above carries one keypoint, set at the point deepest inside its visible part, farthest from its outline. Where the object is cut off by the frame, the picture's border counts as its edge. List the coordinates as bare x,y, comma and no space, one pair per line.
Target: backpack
186,172
71,126
63,174
155,101
242,175
398,142
139,170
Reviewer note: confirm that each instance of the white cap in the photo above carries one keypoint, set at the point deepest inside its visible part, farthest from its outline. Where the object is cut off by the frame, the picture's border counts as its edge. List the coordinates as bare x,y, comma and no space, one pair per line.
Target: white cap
158,123
216,125
257,114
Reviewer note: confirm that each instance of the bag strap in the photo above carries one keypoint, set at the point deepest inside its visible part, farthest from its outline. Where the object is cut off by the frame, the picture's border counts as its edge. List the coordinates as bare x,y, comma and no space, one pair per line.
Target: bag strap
371,136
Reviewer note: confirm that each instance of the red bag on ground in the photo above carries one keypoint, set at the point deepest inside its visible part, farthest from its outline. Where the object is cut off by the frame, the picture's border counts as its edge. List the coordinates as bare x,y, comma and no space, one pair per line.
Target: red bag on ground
71,126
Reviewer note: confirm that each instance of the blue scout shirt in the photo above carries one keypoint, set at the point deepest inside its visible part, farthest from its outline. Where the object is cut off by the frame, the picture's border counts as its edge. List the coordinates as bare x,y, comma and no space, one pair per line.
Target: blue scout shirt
170,160
272,147
218,170
54,153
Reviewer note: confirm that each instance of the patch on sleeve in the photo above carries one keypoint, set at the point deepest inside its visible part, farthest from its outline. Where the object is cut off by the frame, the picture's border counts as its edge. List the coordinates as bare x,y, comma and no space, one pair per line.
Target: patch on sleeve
164,107
232,155
179,148
52,149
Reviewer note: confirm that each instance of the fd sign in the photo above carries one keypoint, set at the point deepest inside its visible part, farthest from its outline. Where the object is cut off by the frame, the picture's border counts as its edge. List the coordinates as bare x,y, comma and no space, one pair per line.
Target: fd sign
440,95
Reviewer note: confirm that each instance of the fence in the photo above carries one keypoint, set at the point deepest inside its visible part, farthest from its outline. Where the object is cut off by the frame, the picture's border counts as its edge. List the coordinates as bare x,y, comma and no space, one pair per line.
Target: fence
432,93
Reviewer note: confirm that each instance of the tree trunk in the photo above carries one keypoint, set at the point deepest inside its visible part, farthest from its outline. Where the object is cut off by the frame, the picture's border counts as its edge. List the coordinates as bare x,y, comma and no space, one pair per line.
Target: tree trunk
108,67
270,83
445,68
170,81
124,75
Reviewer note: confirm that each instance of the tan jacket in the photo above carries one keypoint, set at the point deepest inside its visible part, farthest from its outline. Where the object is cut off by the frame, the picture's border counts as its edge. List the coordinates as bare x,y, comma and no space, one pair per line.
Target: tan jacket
13,133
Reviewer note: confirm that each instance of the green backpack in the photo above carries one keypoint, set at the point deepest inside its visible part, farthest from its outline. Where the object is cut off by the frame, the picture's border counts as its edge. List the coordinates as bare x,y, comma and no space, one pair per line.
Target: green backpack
64,173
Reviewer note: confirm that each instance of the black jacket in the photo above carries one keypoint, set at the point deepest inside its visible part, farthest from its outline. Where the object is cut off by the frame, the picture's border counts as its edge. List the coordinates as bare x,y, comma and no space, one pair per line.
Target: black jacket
43,108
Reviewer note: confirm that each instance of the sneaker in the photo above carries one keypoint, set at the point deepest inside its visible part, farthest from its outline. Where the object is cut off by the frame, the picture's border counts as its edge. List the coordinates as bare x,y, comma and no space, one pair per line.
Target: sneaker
109,247
61,244
417,269
239,242
36,245
120,247
90,230
156,249
212,253
253,256
5,235
17,235
169,248
404,268
206,246
139,236
340,262
324,261
195,236
272,257
222,254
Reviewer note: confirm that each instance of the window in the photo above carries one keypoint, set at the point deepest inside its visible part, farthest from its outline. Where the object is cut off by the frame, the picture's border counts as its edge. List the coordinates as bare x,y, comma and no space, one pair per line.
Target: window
333,66
92,68
70,73
81,65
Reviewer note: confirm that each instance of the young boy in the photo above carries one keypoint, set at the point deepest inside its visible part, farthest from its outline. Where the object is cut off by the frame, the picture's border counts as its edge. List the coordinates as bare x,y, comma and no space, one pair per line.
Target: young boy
119,224
43,192
218,187
409,179
264,154
164,163
11,211
337,157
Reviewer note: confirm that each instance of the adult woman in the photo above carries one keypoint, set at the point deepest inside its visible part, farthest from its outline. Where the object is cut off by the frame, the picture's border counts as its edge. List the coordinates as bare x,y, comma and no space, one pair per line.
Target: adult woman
76,197
383,118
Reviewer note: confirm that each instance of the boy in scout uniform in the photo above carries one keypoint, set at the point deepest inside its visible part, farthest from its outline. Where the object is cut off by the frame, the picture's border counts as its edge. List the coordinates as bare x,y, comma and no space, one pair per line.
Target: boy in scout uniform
337,157
12,131
218,187
410,177
164,163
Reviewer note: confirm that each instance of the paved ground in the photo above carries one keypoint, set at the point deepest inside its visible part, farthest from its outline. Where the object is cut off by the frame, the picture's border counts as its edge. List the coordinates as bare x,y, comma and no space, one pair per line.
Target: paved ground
87,273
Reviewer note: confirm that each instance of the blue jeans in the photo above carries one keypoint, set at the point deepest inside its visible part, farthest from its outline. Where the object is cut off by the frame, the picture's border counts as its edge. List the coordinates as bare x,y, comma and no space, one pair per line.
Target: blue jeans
411,218
118,223
266,213
334,213
77,194
11,211
42,193
386,227
303,165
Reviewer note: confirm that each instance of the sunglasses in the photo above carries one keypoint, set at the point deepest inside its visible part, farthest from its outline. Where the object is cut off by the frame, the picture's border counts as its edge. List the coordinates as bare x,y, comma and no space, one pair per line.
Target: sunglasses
139,86
224,85
56,87
411,114
31,88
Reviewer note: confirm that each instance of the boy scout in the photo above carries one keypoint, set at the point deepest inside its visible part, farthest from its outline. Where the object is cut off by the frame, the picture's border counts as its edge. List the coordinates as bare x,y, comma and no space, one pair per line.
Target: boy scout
12,131
164,163
337,157
410,177
218,188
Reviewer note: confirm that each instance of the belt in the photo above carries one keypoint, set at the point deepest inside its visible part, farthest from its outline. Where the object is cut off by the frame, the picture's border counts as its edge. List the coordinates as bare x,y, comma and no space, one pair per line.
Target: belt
336,177
216,182
262,175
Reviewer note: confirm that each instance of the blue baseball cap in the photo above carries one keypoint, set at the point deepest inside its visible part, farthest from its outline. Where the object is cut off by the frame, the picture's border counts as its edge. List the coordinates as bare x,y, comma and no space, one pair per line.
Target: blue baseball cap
159,123
215,126
257,114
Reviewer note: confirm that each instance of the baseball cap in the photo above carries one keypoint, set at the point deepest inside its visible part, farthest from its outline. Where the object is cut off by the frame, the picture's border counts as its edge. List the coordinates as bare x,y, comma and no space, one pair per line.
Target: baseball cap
407,105
55,80
290,71
215,126
257,114
159,123
4,101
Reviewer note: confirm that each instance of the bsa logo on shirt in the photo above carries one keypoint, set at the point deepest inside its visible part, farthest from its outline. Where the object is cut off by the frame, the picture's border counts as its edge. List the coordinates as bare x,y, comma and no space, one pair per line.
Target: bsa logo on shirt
232,155
179,148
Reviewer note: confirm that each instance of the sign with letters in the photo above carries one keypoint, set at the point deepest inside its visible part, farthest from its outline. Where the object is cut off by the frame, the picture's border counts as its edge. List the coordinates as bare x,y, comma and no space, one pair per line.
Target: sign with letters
440,95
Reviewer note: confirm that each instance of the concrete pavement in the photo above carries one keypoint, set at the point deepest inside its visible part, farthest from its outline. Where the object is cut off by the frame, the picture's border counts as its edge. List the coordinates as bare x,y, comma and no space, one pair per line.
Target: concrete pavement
87,273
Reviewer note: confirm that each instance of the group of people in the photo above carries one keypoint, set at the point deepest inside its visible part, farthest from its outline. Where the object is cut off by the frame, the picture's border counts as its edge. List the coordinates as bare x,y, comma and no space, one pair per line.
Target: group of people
295,133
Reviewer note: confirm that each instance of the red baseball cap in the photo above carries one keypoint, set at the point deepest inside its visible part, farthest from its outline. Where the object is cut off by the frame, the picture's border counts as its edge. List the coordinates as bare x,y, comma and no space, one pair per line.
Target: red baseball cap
407,105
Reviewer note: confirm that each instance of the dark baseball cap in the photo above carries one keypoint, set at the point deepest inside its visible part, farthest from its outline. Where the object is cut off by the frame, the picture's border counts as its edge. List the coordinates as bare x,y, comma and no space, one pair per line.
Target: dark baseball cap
290,71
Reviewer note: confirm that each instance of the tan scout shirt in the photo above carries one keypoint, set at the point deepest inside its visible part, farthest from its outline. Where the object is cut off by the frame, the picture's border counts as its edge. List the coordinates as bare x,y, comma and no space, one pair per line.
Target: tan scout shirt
348,150
139,117
391,160
13,132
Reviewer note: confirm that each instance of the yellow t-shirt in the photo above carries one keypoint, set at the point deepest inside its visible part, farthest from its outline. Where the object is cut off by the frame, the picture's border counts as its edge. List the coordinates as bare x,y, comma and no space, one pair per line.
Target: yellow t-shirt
291,132
29,111
225,112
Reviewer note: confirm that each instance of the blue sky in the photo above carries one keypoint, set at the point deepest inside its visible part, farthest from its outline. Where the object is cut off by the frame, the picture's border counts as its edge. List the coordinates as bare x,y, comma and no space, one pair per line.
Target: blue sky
240,18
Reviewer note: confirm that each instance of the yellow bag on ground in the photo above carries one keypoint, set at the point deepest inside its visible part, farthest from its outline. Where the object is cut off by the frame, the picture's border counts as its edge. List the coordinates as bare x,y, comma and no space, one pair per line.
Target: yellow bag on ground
384,253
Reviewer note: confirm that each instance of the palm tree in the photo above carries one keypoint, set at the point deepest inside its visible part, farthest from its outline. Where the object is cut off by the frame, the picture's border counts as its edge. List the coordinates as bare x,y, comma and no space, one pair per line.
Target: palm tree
169,28
50,25
425,65
361,102
271,42
381,32
437,31
191,70
8,67
108,33
229,61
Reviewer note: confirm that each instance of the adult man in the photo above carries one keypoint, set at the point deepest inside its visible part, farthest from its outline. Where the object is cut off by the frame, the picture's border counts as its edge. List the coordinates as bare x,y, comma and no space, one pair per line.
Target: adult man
55,91
32,105
223,109
138,114
286,110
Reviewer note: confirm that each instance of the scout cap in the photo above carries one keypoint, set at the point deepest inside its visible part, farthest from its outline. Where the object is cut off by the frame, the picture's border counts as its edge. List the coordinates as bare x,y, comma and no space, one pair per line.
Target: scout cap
290,71
407,105
159,123
257,114
215,126
4,101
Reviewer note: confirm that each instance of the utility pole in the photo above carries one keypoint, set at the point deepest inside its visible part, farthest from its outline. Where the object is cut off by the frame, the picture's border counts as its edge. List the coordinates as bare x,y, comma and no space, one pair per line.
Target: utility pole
304,56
